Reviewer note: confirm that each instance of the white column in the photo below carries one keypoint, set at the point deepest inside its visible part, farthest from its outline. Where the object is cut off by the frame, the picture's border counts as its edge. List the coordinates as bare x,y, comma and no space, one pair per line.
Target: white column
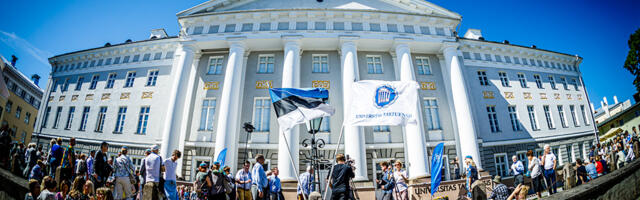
290,79
413,133
186,102
466,131
179,72
354,144
228,119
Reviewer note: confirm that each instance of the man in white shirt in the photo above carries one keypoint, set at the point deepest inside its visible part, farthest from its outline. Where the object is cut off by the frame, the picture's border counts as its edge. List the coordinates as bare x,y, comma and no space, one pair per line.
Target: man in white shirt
170,164
243,180
153,167
518,170
534,170
549,162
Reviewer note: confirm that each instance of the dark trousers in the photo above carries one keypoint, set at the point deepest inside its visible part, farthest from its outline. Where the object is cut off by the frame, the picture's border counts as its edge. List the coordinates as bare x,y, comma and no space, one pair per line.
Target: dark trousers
341,195
550,177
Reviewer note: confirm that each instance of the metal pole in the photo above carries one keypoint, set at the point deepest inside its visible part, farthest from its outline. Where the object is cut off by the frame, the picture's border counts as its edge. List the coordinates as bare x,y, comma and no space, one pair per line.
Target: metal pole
246,144
331,170
295,170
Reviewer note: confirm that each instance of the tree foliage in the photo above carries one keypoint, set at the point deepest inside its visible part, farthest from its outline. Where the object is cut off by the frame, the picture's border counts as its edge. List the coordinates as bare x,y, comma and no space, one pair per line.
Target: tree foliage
633,58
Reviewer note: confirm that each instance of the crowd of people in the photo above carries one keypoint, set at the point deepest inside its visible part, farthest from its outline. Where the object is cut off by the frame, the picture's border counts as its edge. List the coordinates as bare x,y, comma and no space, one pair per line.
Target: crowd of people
603,158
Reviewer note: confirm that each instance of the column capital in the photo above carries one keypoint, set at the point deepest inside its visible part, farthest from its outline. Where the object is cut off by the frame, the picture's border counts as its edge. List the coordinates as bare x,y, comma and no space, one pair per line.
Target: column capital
449,46
351,40
291,39
188,46
401,42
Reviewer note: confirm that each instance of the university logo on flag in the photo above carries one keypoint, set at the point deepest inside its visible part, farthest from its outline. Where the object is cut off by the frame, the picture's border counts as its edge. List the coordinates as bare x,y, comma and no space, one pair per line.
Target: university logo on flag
383,103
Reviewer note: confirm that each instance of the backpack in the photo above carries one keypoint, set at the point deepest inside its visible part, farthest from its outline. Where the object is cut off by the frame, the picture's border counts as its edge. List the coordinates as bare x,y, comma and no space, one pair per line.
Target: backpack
202,190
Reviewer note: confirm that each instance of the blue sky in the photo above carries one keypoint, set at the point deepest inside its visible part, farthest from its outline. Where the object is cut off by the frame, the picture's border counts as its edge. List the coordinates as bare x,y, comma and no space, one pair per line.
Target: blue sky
596,30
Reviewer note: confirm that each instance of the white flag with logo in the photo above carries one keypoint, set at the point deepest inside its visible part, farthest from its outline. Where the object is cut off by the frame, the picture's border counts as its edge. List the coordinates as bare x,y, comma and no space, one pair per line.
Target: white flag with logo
376,103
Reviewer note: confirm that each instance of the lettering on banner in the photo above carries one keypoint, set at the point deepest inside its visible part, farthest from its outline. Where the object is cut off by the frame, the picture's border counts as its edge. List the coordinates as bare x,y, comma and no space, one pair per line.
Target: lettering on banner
508,95
487,94
527,95
74,98
61,98
213,85
147,95
125,95
106,96
264,84
543,95
428,85
321,84
89,97
556,96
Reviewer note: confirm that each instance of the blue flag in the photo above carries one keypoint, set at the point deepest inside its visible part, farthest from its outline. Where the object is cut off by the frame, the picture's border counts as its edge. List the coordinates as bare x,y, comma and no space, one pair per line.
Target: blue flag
222,156
436,167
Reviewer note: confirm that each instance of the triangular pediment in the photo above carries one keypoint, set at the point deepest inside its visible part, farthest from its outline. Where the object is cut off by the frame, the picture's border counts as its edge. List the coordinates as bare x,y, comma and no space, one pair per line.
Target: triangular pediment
401,6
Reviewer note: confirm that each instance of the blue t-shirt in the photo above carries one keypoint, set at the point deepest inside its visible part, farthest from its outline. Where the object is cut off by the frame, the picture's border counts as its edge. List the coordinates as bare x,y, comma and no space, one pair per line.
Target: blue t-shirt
56,154
591,170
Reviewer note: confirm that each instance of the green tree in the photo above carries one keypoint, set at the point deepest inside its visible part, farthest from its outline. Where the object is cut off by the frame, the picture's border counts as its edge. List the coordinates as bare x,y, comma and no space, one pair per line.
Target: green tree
633,58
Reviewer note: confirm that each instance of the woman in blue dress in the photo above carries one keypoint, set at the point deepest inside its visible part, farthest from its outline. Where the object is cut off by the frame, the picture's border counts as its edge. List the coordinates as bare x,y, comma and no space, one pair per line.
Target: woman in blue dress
472,174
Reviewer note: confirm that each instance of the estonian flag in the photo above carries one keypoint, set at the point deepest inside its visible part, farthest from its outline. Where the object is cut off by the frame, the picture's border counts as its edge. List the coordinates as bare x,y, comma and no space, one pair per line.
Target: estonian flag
297,105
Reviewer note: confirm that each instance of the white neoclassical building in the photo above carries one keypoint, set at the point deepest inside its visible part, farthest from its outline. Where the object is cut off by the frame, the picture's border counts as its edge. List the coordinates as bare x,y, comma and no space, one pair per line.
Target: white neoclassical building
193,92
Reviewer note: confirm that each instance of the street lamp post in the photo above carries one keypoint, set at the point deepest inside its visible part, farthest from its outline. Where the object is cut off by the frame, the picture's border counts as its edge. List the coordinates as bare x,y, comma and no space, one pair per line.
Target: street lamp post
314,127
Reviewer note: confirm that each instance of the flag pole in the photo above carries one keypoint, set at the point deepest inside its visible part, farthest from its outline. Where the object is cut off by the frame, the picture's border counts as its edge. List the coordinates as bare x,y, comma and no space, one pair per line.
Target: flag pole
326,189
295,169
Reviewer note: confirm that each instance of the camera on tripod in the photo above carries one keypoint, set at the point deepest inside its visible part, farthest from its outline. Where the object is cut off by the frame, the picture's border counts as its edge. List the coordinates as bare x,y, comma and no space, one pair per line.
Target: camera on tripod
349,161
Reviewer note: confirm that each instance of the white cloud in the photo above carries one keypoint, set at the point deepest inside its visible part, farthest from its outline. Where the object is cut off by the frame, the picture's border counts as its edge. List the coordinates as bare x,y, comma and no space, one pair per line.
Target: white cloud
14,41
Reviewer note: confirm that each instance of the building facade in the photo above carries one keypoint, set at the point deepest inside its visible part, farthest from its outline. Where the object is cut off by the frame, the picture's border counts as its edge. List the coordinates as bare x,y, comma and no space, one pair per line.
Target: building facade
193,92
20,108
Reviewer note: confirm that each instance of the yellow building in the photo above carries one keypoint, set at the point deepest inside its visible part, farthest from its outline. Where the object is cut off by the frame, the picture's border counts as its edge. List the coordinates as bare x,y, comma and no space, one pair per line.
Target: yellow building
20,109
625,121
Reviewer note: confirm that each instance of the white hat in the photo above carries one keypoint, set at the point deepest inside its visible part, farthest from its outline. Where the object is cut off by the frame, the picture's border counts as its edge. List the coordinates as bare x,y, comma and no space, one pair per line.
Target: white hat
155,147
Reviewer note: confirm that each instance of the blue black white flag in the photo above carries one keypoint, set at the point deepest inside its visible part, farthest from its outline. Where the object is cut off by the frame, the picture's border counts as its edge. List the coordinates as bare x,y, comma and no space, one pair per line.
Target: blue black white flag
376,103
297,105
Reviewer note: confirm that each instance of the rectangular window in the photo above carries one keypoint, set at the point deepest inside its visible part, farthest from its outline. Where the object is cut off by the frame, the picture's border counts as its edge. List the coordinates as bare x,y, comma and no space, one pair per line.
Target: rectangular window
574,115
320,26
409,29
146,57
325,126
79,83
487,57
431,114
84,118
94,82
152,77
466,55
8,106
533,62
381,129
440,31
56,120
422,63
585,115
516,60
100,120
157,56
374,27
261,114
515,121
523,80
131,77
116,60
111,80
65,86
547,115
120,119
143,120
215,65
99,63
207,114
482,76
524,61
18,112
392,27
477,56
532,118
356,26
265,26
108,61
504,79
552,82
574,82
265,64
168,55
564,83
27,117
283,25
301,25
425,30
214,29
507,59
247,27
46,116
125,59
502,166
563,118
540,63
498,58
320,63
536,77
493,119
374,64
230,28
197,30
338,26
72,111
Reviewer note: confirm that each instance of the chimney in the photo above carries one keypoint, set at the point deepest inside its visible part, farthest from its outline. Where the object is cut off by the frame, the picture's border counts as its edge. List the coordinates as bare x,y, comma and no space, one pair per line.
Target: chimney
615,100
35,78
605,100
14,59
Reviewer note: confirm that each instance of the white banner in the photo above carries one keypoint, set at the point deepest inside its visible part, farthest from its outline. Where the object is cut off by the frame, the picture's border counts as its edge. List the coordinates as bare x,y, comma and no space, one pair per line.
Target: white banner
376,103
